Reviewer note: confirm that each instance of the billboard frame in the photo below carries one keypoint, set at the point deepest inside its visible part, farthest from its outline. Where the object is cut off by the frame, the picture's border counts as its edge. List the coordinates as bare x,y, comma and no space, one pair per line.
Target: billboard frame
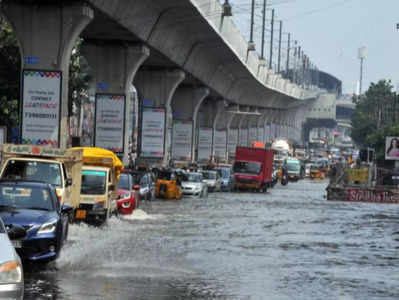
21,103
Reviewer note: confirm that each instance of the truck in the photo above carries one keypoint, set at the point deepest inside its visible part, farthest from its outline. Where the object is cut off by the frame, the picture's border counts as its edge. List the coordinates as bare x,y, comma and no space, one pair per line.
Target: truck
58,167
99,185
253,168
282,150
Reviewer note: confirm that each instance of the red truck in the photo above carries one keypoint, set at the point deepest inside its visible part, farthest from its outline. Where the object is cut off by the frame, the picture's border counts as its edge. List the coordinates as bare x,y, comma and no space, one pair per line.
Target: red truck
253,168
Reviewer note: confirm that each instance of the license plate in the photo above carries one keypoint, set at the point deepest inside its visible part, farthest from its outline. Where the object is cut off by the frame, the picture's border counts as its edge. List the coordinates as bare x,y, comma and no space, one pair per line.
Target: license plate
16,243
81,214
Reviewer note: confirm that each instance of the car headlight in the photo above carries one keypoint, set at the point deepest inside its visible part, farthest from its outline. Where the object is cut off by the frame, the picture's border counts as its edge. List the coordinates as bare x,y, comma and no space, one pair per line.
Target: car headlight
126,204
10,272
48,227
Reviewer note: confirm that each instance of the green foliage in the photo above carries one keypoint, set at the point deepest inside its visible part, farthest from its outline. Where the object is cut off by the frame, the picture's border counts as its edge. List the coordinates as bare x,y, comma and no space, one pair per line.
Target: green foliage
375,116
79,77
10,65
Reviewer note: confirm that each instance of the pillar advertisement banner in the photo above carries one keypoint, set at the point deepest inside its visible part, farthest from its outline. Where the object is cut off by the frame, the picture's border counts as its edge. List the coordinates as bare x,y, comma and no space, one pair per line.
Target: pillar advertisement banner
181,140
153,132
205,144
41,107
110,122
261,134
244,137
253,135
232,141
220,141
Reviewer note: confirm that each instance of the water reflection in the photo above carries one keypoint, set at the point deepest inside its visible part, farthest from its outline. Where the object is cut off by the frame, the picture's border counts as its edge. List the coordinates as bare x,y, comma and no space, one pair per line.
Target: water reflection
289,243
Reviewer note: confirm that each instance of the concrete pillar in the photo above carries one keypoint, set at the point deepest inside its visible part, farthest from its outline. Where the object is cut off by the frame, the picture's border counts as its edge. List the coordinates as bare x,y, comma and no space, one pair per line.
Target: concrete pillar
114,66
185,106
47,34
157,88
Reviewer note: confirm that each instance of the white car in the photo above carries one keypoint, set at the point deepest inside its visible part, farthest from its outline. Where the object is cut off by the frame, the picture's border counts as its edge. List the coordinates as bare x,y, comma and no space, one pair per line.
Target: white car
11,271
193,184
212,179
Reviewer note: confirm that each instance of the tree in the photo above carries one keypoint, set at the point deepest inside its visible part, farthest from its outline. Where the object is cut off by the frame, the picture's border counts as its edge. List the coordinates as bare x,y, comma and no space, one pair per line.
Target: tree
375,116
10,67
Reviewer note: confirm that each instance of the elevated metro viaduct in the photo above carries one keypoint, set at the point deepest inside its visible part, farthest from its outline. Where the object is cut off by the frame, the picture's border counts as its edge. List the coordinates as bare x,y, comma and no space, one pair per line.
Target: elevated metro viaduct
186,59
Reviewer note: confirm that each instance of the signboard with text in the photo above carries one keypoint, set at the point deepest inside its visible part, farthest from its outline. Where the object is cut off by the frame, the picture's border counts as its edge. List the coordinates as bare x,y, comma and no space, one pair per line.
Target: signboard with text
181,140
220,141
205,144
152,132
41,107
110,122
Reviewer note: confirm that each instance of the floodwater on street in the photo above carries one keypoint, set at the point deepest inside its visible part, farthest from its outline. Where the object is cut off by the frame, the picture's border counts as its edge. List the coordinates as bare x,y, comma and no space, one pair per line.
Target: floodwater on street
290,243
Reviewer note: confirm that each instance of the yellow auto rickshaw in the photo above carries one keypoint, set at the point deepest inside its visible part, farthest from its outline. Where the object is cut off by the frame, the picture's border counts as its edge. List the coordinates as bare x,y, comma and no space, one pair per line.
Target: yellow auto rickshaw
316,172
168,185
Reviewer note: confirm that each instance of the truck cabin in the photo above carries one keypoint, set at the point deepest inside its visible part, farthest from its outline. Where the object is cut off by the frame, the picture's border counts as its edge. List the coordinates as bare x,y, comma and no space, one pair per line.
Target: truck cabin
94,182
247,167
48,172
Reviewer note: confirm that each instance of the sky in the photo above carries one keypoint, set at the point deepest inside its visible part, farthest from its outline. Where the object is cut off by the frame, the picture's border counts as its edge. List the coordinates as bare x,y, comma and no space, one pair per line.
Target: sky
331,31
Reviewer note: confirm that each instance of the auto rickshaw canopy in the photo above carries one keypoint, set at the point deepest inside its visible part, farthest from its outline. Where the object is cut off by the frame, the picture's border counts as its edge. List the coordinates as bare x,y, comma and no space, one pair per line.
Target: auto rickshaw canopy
101,157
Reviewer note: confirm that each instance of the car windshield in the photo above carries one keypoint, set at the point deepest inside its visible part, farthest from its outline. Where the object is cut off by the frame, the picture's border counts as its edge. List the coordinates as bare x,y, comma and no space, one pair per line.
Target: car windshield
192,177
33,170
225,172
209,175
25,197
124,182
247,167
166,176
293,166
93,182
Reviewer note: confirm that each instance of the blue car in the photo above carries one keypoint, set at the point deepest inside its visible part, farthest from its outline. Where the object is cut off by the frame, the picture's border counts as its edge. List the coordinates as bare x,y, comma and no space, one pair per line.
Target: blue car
35,207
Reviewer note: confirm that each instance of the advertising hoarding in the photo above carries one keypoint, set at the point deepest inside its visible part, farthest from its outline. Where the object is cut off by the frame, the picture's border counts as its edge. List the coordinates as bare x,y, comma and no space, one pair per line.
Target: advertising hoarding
392,148
253,135
109,126
205,144
232,141
243,137
261,134
152,132
220,141
181,140
41,107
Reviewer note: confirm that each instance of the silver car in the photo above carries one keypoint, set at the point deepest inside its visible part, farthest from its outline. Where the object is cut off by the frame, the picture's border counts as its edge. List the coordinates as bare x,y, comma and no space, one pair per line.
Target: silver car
213,180
11,271
193,184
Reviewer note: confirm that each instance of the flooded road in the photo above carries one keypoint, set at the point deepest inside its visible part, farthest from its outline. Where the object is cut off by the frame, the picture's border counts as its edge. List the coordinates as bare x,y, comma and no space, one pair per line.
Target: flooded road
287,244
